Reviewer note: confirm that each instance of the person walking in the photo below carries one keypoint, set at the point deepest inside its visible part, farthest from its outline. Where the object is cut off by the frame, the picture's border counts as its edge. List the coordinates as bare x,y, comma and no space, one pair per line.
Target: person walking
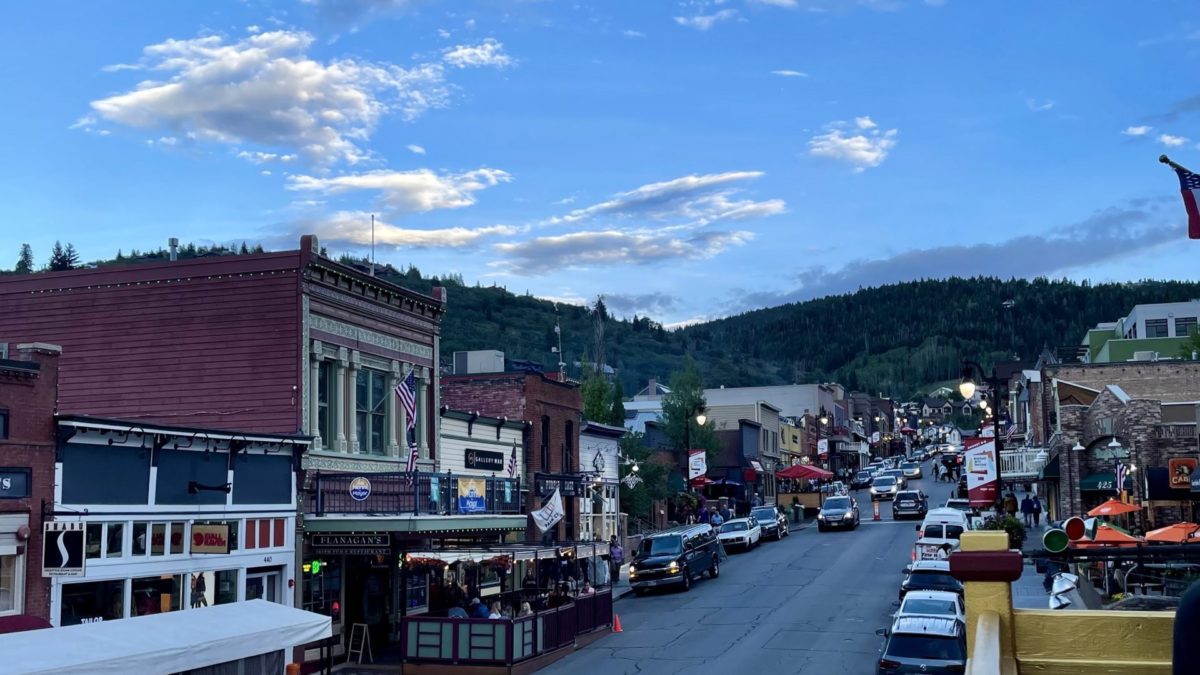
1010,505
716,520
1027,511
616,557
1037,511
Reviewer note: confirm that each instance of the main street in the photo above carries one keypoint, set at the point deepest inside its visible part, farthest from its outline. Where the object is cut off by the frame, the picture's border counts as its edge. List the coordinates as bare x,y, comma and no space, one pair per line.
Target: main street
810,603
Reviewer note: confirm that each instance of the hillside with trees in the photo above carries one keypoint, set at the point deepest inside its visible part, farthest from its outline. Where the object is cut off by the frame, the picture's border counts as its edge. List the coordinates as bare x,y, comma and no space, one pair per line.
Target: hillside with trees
894,339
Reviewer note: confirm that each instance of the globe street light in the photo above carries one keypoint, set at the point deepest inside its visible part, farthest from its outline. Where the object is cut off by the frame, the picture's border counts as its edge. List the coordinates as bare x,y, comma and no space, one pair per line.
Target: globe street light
967,388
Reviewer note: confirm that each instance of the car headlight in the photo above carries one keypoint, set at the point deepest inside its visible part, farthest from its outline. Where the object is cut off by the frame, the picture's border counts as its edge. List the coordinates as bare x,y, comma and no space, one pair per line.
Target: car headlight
849,515
820,516
673,567
632,571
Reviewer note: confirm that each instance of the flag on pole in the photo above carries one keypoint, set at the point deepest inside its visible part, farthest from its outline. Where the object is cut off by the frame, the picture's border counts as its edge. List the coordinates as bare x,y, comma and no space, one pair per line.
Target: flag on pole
1012,429
512,462
1189,183
407,391
1120,485
411,466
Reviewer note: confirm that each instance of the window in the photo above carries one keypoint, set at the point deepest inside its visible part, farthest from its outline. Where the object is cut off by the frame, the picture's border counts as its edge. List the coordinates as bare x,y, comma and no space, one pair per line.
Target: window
1184,326
372,411
325,396
115,537
157,595
1156,328
104,540
3,422
11,592
92,602
139,538
324,587
213,588
567,447
545,443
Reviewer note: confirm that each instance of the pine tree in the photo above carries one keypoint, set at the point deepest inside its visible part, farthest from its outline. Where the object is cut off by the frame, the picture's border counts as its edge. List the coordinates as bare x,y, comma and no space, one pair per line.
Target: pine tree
25,260
72,256
58,259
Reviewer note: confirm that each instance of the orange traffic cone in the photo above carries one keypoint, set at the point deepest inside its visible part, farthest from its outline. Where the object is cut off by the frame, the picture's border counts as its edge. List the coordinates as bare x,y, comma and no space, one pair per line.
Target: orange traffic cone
875,511
617,623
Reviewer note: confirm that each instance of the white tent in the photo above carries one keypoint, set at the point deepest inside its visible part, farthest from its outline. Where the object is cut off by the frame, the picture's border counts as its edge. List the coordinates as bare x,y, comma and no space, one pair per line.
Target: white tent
163,643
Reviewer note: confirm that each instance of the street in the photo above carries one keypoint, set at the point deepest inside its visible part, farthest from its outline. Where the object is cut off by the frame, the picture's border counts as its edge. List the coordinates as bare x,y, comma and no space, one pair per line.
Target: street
810,603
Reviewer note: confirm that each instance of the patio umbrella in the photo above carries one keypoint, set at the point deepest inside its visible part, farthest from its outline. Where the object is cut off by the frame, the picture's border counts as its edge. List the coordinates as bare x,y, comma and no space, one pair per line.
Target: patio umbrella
1114,507
804,471
1109,536
1178,533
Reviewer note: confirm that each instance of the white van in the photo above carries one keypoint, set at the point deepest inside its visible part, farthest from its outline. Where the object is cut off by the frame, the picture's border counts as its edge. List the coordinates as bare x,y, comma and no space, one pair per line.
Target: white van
940,531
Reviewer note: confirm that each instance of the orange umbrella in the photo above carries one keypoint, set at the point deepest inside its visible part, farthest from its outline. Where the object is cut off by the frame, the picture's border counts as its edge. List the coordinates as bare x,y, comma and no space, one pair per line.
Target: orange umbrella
1113,507
1108,536
1178,533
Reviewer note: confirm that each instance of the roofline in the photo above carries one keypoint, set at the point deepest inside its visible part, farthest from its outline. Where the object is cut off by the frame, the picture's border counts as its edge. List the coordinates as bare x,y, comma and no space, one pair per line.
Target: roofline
603,429
506,373
478,417
86,422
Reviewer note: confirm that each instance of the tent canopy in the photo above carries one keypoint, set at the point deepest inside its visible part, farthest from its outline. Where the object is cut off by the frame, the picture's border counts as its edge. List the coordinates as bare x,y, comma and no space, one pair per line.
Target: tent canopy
804,471
164,643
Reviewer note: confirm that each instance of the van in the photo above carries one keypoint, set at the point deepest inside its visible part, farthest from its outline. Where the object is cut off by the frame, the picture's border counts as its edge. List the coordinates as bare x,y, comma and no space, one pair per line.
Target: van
941,528
675,557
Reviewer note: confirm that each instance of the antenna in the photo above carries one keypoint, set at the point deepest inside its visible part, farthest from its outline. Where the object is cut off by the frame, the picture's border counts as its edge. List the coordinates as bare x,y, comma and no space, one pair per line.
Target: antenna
372,244
562,366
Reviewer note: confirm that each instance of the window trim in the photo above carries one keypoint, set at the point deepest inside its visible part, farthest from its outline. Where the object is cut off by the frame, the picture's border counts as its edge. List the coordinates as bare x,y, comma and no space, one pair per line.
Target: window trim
379,410
18,587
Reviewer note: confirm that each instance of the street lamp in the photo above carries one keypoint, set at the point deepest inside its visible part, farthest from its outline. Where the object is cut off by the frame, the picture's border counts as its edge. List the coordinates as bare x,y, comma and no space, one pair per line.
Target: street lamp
998,386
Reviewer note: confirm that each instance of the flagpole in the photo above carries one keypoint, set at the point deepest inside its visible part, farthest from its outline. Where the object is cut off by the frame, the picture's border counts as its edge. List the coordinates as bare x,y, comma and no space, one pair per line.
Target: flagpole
1174,165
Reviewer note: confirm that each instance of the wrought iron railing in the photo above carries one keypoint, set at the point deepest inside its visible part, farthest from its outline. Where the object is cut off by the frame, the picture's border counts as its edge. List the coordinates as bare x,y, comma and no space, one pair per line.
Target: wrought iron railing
417,493
1024,462
1175,431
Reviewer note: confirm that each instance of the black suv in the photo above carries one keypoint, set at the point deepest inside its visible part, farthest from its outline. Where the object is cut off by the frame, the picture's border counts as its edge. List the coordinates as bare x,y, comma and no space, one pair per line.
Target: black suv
772,522
675,556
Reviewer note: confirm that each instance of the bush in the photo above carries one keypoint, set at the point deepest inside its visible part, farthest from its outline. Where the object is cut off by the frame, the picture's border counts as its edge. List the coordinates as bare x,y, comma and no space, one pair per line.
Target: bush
1014,528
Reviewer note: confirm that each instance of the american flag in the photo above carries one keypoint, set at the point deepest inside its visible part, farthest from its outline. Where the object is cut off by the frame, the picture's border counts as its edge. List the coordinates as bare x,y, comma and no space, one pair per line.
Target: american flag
407,391
1120,485
1189,183
1012,429
512,462
412,459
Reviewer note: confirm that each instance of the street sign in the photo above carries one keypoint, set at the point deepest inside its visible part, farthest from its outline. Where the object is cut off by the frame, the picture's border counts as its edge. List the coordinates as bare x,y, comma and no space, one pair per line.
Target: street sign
62,549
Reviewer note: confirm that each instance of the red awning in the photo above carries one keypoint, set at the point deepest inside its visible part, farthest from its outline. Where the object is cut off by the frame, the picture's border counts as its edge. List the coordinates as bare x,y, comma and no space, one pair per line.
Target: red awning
804,471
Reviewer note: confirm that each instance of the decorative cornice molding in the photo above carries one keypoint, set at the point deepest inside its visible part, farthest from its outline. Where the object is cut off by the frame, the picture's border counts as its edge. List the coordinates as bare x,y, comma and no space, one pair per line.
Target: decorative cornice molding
349,463
424,323
370,337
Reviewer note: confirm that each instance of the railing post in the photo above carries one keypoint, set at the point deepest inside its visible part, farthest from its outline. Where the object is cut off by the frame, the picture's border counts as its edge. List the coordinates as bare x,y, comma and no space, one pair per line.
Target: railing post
988,596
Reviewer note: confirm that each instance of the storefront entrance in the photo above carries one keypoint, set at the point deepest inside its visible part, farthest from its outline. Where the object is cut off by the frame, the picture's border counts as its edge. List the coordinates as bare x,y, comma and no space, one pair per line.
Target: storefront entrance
368,595
263,584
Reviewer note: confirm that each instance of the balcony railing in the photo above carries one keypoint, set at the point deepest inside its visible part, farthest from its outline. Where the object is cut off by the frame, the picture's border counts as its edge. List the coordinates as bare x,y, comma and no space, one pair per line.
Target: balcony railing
417,493
1175,431
1022,463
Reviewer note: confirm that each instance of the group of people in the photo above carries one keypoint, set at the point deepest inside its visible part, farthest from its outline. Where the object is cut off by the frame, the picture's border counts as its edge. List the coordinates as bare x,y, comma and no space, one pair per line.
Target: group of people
1030,508
945,473
478,610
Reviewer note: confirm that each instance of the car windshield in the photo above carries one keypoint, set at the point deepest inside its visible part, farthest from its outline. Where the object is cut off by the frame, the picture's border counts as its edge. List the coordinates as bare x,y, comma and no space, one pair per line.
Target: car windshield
894,472
943,532
864,474
932,578
907,495
734,527
661,546
837,503
925,647
928,606
767,514
885,481
909,465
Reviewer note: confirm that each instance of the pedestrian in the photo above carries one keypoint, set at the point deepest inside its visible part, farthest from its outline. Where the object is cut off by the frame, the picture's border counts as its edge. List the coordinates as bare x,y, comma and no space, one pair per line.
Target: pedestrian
1037,511
1010,505
716,520
1027,511
616,557
757,500
478,610
724,511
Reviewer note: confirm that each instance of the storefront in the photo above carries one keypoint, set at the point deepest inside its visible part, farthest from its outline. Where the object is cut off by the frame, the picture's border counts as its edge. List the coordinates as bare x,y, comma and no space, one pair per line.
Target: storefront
172,519
599,458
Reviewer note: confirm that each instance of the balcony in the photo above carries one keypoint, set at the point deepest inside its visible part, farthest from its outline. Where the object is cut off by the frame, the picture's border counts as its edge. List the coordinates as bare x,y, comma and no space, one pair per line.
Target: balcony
1022,462
1175,431
419,494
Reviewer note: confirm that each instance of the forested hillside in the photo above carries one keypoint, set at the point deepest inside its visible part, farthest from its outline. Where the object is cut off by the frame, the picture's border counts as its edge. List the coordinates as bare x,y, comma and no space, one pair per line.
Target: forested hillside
894,339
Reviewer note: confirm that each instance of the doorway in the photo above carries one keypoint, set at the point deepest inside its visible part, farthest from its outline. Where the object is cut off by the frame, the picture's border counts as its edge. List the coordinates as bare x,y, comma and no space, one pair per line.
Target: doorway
263,584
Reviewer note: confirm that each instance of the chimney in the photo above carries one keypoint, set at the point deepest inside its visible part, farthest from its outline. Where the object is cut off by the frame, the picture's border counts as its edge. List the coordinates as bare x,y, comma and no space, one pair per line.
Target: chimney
652,390
173,243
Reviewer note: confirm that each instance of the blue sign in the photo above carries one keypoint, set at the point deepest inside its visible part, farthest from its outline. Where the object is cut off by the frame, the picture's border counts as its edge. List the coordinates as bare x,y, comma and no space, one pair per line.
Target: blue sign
360,488
472,497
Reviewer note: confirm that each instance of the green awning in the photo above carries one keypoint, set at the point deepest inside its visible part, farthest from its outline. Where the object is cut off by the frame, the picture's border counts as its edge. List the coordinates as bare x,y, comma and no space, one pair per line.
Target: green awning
1051,470
1103,482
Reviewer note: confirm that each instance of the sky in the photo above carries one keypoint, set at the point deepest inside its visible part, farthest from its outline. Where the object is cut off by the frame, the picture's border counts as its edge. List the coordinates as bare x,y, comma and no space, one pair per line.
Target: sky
687,160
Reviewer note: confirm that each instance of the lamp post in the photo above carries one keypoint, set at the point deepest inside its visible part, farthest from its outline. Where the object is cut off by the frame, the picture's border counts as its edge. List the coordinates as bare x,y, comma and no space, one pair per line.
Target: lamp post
695,412
967,388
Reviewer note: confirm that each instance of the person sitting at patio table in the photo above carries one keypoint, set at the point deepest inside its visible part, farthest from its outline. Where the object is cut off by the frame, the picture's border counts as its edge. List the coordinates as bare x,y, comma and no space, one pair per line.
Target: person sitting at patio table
526,610
457,612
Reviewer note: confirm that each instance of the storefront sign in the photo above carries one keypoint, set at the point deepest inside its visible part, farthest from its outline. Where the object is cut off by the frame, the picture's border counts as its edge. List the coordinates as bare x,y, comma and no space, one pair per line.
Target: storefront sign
14,483
62,549
360,488
484,460
1180,472
210,539
568,486
351,544
697,463
472,495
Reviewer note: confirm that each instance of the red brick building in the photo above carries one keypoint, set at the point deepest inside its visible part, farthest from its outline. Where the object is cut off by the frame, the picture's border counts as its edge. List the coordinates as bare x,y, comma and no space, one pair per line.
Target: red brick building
554,411
28,390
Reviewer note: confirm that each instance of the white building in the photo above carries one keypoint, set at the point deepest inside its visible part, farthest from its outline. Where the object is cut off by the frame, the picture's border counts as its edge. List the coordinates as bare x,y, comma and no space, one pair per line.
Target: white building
475,447
600,458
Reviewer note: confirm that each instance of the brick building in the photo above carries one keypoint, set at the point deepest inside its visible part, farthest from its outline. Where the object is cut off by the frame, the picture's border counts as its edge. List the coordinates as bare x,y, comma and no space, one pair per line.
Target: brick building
554,412
28,391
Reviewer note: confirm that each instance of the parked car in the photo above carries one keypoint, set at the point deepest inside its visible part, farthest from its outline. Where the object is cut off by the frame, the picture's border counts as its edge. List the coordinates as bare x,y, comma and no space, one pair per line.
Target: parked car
675,556
884,487
929,575
861,479
944,604
743,533
911,469
838,512
961,492
923,644
772,521
910,503
960,504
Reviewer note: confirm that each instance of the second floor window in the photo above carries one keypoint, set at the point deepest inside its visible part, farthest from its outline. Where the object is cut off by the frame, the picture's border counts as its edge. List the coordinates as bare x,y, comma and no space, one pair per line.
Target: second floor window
568,447
325,404
545,443
1156,328
1185,326
371,415
3,423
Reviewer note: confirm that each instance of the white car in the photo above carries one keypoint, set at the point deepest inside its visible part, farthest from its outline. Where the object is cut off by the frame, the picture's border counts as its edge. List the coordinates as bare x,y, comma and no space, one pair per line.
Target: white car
742,533
942,604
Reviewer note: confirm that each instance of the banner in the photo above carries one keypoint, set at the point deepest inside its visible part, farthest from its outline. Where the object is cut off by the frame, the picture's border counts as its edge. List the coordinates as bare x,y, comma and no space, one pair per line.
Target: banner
210,538
549,515
472,495
979,466
823,446
62,549
697,464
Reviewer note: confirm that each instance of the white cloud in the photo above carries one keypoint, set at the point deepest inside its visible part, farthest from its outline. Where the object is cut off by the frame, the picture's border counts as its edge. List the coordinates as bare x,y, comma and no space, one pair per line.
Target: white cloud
1137,131
869,147
490,52
416,191
775,3
1172,141
259,157
354,228
704,199
704,22
541,255
789,73
630,33
443,33
265,172
264,89
565,200
415,149
252,28
1038,106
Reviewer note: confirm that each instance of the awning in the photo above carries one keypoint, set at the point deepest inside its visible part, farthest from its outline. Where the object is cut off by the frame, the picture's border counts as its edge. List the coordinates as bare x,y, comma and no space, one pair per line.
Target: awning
173,642
1103,482
804,471
1051,471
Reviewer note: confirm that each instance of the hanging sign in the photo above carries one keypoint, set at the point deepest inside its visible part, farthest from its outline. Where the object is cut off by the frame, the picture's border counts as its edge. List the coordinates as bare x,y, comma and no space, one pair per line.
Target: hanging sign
979,466
62,549
360,489
484,460
1181,471
210,539
472,495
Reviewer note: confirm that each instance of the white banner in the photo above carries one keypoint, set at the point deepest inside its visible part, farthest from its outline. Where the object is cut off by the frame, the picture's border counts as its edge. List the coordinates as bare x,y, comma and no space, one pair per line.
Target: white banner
875,437
823,446
549,515
697,464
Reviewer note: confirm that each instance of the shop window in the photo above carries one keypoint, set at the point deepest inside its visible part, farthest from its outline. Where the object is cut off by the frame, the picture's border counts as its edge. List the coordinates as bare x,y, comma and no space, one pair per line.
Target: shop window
418,590
93,541
92,602
115,540
11,592
158,539
325,396
323,586
157,595
177,532
214,588
371,415
139,538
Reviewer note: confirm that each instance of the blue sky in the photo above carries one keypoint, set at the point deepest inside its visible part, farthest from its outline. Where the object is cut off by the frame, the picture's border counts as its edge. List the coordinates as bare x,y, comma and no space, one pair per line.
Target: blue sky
686,159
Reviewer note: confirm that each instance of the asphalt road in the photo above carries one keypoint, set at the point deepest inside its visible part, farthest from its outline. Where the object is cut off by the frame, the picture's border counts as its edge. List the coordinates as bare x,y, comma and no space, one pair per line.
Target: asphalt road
810,603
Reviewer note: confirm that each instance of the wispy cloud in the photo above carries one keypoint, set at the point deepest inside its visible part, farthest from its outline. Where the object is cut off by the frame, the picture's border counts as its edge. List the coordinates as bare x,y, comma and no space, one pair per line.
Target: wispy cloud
702,199
415,149
418,191
630,33
353,228
1035,105
654,303
789,73
863,146
1137,131
1172,141
603,248
489,53
703,22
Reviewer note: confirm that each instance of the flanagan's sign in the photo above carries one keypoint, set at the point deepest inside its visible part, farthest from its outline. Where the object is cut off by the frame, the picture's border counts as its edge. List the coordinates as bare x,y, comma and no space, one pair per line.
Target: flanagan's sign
352,544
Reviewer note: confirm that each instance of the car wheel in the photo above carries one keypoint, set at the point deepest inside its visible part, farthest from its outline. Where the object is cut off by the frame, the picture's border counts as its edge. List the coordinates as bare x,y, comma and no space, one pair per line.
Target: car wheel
687,580
639,592
715,570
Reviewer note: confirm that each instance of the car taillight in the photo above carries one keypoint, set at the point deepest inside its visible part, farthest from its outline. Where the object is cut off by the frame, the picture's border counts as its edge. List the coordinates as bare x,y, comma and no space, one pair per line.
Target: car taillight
887,664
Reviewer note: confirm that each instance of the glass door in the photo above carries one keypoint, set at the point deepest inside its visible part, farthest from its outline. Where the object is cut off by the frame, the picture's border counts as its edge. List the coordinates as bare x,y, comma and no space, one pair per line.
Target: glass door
262,585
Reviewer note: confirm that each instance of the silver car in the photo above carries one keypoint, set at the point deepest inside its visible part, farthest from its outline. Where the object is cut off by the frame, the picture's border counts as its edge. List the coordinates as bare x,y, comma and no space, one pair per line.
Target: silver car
884,487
